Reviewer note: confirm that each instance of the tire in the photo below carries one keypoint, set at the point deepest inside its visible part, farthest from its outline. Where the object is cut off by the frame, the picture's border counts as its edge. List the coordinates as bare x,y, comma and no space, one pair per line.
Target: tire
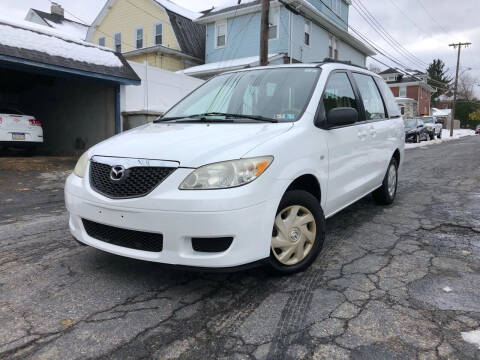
417,139
385,194
299,204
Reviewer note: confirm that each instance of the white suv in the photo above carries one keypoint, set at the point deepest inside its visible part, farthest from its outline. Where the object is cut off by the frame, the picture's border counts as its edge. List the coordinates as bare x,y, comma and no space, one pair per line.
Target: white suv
242,171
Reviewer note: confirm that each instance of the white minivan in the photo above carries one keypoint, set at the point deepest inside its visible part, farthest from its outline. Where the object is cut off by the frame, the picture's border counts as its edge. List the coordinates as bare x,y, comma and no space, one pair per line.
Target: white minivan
243,171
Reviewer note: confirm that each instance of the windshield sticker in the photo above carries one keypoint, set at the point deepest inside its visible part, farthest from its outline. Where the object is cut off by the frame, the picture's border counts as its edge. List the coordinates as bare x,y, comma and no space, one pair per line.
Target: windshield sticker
285,116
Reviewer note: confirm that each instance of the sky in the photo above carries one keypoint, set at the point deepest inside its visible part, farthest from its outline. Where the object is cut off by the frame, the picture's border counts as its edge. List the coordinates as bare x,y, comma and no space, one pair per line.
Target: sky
424,28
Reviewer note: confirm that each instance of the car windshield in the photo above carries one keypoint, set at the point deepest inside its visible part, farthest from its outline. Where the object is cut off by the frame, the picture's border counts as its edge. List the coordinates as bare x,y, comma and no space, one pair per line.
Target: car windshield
278,94
428,120
411,123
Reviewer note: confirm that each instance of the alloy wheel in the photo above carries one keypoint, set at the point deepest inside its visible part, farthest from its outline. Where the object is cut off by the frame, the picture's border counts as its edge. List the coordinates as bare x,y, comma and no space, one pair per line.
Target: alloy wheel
293,235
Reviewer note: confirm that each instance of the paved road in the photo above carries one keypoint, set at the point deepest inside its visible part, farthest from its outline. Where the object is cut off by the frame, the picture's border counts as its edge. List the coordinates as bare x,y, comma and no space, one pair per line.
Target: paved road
398,282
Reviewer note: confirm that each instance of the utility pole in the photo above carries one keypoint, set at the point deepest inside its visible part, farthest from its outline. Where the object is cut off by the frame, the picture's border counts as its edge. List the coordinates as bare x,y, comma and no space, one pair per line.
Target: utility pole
264,33
460,44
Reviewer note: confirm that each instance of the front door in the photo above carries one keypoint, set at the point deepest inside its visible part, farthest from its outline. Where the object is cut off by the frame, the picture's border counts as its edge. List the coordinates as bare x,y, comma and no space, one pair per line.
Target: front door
347,147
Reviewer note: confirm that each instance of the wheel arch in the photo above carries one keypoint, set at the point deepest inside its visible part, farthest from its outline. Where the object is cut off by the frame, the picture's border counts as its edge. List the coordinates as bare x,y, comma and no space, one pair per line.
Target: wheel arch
308,183
396,155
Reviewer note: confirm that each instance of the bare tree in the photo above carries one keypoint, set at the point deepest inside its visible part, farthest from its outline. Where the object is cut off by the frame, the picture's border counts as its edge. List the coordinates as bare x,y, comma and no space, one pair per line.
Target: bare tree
466,87
374,68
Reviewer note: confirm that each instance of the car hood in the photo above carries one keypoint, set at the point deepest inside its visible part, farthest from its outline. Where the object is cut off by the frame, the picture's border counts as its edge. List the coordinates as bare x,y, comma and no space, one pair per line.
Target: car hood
192,145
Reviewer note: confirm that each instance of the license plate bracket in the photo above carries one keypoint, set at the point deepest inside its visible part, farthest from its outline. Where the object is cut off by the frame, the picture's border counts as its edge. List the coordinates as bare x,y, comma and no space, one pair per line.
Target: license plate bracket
18,136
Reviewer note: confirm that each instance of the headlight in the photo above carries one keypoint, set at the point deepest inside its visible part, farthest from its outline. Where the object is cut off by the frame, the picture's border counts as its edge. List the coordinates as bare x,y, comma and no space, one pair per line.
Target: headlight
226,174
81,166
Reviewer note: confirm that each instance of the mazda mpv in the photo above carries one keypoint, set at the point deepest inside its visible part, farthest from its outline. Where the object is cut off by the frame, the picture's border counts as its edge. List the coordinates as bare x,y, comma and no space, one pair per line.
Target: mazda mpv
242,171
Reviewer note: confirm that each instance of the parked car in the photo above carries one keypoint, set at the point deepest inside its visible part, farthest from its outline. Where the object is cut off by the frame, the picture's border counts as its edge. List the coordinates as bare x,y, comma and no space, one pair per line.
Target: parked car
433,126
18,130
477,130
415,130
243,171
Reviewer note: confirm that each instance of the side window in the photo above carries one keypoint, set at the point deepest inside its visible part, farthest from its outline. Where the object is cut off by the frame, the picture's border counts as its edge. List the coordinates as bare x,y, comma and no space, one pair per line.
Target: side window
372,100
338,93
392,105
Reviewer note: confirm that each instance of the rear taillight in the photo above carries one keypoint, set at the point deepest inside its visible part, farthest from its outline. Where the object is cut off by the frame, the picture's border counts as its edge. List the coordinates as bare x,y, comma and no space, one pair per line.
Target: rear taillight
34,122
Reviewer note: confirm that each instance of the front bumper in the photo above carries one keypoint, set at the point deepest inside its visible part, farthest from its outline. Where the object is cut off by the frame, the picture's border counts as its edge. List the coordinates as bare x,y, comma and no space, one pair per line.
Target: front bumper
250,225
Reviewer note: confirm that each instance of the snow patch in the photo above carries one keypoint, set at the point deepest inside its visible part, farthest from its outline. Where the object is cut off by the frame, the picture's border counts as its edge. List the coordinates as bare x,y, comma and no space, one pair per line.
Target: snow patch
51,44
472,337
225,64
457,134
70,28
447,289
229,3
178,9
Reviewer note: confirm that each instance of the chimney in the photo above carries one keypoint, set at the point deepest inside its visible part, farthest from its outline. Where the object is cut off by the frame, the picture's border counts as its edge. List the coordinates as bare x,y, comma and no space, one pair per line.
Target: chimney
57,9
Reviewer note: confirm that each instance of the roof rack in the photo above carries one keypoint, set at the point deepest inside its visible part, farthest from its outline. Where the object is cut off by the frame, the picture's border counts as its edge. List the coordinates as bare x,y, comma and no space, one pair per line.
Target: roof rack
330,60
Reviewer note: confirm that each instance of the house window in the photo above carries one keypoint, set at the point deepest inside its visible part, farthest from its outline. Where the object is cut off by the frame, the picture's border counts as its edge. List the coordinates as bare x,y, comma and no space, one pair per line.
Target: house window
118,42
402,110
273,20
221,34
308,32
101,41
337,6
158,33
403,92
139,38
332,48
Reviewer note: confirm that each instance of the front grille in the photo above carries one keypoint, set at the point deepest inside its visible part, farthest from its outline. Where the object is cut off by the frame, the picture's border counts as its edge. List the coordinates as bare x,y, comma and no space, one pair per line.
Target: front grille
137,181
137,240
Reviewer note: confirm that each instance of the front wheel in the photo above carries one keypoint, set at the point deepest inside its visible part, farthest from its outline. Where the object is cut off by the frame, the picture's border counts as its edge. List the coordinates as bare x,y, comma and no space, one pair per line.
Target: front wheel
385,194
298,232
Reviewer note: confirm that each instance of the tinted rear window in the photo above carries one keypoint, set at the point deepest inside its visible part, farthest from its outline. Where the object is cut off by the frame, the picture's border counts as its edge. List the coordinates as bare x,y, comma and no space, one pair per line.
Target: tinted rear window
10,111
392,106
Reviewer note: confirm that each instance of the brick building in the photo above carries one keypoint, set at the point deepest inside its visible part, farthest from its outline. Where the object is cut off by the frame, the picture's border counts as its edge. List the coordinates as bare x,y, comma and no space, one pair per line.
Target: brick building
411,86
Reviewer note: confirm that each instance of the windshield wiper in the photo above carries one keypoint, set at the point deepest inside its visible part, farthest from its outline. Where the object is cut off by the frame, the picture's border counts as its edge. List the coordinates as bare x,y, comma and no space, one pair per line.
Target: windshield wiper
227,115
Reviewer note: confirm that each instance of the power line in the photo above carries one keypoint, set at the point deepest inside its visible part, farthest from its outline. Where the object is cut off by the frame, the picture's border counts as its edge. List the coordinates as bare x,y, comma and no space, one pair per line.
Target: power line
434,20
378,27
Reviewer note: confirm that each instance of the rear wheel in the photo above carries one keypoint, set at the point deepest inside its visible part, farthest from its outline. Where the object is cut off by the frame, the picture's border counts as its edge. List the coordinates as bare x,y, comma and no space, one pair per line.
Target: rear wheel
298,232
385,194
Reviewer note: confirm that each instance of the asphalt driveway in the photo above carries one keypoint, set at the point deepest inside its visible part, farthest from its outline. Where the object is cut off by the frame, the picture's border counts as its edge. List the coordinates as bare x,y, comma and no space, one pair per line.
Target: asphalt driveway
397,282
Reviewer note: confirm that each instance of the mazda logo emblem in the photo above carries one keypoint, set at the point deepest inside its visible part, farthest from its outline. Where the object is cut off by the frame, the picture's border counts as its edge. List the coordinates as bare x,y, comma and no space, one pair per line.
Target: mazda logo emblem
117,173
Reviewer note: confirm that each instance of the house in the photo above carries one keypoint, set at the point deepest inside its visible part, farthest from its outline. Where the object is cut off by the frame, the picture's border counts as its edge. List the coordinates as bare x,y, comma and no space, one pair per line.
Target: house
158,32
57,21
299,31
412,86
71,86
408,107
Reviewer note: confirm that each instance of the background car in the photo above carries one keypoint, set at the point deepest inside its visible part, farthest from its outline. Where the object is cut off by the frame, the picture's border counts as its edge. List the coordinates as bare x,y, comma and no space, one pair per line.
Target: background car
415,130
434,128
477,130
18,130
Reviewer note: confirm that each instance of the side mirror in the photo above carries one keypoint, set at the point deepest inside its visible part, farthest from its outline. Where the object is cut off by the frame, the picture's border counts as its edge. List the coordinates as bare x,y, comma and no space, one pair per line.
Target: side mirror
342,116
